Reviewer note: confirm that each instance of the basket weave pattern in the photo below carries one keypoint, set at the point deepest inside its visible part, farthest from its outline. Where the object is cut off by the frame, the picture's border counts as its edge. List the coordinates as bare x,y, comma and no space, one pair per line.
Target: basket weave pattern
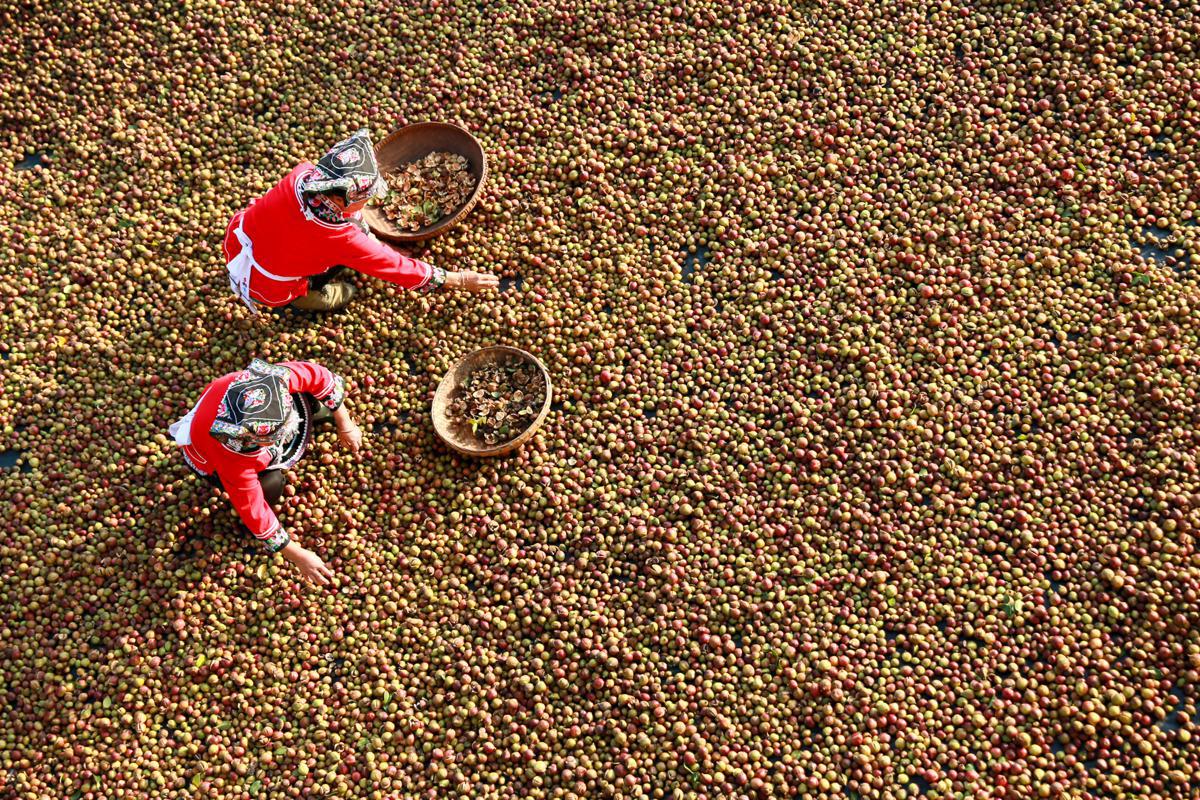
412,143
463,442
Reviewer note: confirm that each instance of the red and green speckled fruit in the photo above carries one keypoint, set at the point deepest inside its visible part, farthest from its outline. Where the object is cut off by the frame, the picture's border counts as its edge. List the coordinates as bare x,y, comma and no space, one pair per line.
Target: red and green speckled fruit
874,327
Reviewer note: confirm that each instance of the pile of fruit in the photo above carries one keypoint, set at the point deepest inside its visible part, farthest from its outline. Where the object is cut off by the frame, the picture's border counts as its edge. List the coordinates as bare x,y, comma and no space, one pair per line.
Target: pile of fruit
423,191
499,401
874,327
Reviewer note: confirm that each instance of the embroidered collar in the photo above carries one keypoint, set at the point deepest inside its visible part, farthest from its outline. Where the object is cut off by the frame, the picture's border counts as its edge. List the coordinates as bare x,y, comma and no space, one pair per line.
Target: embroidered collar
322,209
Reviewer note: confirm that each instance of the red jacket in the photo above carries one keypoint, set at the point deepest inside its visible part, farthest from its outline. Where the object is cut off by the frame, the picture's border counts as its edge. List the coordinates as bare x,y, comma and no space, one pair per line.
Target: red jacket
239,471
293,245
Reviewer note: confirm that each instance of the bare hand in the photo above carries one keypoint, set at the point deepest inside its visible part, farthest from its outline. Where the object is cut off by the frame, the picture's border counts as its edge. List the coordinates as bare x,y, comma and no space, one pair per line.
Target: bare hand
348,432
350,436
468,281
309,563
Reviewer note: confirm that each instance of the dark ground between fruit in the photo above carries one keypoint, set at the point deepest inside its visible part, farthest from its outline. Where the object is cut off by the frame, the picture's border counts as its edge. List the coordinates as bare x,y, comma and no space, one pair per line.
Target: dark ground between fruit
693,260
379,427
1171,721
35,159
1151,252
696,259
9,459
1158,247
411,363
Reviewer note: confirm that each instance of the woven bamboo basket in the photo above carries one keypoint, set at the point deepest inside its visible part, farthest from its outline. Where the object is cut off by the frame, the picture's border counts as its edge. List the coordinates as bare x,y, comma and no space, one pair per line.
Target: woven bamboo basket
412,143
463,441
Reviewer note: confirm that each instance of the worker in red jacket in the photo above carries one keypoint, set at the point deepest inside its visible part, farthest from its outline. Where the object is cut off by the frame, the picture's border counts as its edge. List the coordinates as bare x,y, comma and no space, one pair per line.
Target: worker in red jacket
249,427
290,244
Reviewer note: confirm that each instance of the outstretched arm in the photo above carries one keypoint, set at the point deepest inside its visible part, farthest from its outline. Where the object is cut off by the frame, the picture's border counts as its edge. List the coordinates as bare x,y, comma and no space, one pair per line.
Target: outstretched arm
468,281
330,390
368,255
246,495
310,377
372,257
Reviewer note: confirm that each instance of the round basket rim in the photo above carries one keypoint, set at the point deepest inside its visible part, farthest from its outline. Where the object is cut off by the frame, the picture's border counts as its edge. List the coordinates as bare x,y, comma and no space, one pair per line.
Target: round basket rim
448,383
446,223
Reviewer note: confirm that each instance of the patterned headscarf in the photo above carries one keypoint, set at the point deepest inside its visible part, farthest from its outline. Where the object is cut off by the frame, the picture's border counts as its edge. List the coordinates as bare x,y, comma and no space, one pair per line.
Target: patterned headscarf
349,167
257,408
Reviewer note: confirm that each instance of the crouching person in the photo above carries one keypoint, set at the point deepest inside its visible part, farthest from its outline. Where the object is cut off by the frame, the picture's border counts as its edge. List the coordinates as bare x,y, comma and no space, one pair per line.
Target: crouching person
249,428
295,243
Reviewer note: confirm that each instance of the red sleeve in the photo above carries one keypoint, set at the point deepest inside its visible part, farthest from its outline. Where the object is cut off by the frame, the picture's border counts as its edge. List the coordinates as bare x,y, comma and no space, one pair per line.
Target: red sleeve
245,492
321,383
371,256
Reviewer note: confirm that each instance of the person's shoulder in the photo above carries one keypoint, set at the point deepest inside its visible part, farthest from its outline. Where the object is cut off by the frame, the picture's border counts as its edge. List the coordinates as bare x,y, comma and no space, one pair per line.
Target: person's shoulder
217,386
297,173
284,189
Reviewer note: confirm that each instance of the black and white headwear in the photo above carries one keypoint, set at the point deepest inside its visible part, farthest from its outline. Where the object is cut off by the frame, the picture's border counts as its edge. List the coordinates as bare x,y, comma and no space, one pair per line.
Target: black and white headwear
350,168
257,407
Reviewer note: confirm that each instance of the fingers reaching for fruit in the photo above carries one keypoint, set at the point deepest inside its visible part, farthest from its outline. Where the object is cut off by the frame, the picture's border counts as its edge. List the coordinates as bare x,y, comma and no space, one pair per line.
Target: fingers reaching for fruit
309,563
469,281
351,437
